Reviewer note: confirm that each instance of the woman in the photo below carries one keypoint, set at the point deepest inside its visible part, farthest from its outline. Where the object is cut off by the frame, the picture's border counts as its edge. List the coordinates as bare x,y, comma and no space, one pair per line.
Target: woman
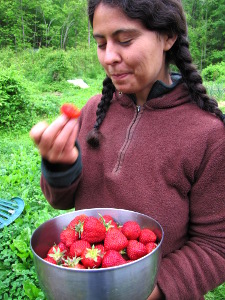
157,145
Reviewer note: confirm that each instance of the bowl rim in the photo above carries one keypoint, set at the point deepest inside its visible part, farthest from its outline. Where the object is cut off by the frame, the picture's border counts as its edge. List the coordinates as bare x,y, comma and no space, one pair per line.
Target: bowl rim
97,269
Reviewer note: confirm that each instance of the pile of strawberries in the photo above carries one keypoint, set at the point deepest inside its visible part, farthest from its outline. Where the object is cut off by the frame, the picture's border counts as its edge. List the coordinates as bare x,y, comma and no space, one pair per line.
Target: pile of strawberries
89,242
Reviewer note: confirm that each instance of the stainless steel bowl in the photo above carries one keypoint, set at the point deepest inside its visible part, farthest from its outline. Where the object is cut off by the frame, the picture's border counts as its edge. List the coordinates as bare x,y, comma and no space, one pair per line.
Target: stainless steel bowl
133,281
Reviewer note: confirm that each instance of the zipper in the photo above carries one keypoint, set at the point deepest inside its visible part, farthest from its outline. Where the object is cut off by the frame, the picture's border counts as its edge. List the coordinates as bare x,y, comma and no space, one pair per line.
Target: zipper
124,147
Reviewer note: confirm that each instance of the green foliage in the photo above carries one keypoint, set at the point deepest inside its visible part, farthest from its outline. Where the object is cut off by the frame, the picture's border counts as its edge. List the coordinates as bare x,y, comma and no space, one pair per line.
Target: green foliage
206,30
20,176
33,84
64,25
214,72
25,24
13,102
56,66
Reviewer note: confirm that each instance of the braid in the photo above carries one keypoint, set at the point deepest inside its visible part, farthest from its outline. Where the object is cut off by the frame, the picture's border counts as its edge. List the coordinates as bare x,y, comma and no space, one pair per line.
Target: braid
183,60
93,137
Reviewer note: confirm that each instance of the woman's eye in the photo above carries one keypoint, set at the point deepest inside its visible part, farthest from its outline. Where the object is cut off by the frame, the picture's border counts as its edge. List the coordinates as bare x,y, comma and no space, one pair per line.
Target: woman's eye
101,46
125,42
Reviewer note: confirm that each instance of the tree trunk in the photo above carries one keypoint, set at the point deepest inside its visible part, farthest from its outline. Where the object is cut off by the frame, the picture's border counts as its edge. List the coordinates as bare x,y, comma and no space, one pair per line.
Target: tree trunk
89,33
22,23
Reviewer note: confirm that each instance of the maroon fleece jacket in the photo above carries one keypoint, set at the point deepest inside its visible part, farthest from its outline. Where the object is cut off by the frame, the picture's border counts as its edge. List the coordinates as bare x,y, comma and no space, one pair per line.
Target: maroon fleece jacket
166,161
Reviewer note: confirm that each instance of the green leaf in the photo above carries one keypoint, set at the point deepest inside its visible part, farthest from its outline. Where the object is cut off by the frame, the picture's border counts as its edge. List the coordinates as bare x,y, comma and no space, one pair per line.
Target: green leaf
31,290
20,245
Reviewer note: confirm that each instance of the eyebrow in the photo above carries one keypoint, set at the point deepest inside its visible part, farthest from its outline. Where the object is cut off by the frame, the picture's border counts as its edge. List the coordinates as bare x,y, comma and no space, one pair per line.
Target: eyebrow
117,32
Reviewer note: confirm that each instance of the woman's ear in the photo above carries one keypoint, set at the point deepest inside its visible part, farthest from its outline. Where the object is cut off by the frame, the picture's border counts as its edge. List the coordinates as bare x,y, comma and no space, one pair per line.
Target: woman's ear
169,41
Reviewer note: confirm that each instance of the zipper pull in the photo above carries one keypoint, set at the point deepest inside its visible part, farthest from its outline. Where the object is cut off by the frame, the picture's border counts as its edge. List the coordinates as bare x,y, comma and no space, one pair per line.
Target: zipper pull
138,108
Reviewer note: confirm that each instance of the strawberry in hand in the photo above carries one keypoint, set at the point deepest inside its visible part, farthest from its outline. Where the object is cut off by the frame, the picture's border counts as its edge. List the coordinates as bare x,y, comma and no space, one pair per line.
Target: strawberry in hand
70,110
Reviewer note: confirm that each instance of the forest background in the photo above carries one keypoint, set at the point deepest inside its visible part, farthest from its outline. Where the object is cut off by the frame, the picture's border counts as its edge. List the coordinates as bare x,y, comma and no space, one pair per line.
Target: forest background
42,45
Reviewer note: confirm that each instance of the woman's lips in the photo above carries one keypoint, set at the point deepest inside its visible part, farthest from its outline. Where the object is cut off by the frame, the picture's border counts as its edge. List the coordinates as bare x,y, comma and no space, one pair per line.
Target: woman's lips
119,76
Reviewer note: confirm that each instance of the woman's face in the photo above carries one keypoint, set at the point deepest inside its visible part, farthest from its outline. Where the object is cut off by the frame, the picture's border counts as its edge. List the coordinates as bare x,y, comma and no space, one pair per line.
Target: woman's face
132,56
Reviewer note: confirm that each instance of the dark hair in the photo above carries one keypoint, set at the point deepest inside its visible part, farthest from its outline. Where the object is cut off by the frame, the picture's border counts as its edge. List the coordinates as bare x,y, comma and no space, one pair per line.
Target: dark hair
162,16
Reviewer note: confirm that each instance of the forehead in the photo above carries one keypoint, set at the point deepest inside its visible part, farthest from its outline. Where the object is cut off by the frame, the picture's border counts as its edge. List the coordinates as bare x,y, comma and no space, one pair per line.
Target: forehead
108,19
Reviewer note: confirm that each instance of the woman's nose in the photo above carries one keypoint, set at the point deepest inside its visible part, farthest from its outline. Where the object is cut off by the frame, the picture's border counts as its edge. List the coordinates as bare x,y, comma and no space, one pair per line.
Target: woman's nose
112,54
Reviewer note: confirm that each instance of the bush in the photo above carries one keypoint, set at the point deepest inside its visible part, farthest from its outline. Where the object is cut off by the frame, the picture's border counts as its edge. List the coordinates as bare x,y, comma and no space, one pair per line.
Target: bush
56,65
13,103
214,72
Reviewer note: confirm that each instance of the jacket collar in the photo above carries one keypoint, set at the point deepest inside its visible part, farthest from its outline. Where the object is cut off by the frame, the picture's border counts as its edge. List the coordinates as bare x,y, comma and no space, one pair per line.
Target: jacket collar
176,96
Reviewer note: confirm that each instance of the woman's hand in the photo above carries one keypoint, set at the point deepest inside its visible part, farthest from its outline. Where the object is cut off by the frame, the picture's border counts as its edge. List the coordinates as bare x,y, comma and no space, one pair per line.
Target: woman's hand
156,294
56,142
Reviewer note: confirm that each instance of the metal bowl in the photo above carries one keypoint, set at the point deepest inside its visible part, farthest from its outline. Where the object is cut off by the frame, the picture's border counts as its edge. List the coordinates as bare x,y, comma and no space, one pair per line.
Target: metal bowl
131,281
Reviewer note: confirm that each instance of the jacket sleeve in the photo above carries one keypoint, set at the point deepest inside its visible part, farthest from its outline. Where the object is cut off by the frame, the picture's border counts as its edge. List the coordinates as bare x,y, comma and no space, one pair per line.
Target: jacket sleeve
199,266
60,198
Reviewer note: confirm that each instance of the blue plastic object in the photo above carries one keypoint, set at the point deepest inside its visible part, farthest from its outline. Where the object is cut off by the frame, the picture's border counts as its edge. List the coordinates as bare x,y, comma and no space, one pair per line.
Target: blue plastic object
10,210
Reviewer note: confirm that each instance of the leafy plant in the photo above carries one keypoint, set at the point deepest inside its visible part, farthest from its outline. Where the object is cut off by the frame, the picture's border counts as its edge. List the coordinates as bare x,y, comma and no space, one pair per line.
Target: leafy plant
214,73
13,102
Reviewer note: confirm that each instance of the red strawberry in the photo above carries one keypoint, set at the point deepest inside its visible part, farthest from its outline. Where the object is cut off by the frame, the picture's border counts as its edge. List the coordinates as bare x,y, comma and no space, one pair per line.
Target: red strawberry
108,222
91,258
69,236
73,263
151,246
93,230
78,247
131,230
50,260
147,236
77,220
70,110
115,240
136,249
101,248
58,252
112,258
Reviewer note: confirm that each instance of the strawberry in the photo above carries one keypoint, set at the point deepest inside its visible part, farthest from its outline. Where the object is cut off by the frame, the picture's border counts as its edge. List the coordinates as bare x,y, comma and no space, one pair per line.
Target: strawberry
136,250
50,260
58,252
68,236
70,110
77,220
151,246
93,230
115,240
91,258
147,236
131,230
112,258
78,247
108,222
101,248
73,263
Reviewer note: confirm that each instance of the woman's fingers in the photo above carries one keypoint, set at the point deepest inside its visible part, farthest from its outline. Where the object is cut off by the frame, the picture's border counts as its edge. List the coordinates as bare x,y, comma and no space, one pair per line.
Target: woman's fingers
51,133
63,148
56,142
37,131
